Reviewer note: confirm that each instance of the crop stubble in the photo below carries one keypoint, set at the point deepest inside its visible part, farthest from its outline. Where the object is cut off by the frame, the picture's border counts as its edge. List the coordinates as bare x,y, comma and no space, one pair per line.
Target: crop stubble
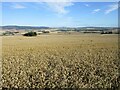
60,61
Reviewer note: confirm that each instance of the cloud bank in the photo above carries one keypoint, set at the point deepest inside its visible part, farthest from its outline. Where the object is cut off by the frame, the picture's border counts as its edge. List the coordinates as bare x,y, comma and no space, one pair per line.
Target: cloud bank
59,6
17,6
111,8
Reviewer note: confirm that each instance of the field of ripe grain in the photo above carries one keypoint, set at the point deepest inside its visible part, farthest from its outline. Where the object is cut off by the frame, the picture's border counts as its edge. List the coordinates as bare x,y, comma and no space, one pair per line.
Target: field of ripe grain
60,61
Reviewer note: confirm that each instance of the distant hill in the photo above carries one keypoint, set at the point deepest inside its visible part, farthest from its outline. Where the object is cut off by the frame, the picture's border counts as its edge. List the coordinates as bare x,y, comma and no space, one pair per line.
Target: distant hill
23,27
11,27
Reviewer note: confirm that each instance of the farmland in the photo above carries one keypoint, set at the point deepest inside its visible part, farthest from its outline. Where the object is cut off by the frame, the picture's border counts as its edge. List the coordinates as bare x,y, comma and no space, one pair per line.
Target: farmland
60,61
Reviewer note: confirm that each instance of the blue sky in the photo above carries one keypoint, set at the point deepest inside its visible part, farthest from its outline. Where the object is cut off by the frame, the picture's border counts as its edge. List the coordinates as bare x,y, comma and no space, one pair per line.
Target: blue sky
60,14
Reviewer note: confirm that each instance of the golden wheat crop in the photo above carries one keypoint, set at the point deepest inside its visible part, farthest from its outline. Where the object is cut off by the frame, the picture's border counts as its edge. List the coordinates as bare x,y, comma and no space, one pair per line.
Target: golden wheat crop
60,61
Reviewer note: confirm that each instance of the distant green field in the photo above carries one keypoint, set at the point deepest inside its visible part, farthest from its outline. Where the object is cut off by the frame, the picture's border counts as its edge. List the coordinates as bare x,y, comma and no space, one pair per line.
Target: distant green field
60,61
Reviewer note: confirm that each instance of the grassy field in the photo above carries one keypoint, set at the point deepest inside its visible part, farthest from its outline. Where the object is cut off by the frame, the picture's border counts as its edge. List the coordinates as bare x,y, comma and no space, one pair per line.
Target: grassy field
60,61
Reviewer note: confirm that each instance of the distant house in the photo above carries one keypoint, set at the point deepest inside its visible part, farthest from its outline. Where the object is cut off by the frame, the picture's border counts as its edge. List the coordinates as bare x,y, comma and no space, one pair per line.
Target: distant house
53,32
15,31
115,31
38,33
22,33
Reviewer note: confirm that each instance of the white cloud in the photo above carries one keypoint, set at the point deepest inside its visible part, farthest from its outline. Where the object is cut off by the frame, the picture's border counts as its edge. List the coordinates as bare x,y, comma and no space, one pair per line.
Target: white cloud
111,8
59,6
87,5
96,10
17,6
60,0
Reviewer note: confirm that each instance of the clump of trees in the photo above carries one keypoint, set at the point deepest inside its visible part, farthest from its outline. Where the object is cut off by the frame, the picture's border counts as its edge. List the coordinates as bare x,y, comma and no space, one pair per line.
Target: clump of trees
107,32
30,34
46,31
7,33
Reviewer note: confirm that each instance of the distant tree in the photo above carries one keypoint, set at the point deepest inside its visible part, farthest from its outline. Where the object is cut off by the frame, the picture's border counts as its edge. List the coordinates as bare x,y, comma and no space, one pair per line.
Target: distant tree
110,32
102,32
30,34
46,31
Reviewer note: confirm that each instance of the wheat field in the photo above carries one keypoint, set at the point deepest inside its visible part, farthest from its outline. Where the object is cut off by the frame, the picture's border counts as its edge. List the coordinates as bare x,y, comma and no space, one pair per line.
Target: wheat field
60,61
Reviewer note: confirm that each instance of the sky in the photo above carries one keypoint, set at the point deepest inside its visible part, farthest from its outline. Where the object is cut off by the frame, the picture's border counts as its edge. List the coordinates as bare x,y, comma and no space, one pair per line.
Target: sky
60,14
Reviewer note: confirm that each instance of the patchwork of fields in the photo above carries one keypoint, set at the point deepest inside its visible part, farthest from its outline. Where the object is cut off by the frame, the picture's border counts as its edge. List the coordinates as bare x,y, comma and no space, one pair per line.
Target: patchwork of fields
60,61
